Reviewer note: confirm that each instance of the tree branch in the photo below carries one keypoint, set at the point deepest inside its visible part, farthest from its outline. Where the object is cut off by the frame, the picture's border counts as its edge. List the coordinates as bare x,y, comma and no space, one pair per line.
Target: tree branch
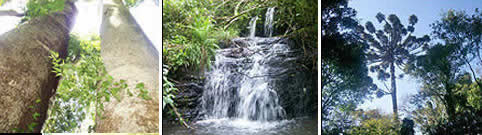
236,14
181,120
11,13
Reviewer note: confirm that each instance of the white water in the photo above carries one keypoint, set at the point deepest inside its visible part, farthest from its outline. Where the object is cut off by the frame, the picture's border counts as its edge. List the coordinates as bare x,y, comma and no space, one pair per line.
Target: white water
240,87
238,92
252,27
268,23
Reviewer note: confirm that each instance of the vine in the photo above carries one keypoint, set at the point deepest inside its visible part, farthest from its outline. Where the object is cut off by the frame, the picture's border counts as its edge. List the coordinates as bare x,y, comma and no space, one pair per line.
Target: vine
35,115
84,86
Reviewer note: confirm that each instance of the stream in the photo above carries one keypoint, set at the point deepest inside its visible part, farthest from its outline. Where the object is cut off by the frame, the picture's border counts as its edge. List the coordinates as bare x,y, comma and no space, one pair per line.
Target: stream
298,126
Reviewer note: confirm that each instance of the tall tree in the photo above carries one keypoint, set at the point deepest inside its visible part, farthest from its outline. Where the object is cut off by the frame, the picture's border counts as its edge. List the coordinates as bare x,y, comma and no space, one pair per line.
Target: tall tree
392,46
345,79
444,79
26,80
457,27
128,54
447,84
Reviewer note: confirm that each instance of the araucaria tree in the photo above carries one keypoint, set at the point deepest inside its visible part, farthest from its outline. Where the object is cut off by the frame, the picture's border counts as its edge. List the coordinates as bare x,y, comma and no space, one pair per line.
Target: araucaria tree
393,46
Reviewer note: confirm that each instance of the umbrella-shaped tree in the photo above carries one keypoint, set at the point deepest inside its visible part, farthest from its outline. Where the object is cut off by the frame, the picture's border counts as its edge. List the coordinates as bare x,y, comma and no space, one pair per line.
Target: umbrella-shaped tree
393,46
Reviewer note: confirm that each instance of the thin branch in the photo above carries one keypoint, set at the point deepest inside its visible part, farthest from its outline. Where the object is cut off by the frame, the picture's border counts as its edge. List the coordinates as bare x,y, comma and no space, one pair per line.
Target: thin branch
224,2
11,13
181,120
236,14
388,90
473,72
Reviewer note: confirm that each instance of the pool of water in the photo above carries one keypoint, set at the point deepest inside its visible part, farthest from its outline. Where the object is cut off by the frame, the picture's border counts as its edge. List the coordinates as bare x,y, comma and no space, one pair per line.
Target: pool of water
297,126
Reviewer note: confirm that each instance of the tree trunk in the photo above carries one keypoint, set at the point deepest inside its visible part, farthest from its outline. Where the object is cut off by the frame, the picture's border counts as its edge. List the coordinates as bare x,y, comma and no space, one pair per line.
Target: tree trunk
129,55
450,104
394,92
26,69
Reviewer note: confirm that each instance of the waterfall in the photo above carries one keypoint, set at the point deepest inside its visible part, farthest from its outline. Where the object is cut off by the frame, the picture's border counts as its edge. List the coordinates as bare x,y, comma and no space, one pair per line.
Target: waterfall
240,92
252,27
268,23
239,84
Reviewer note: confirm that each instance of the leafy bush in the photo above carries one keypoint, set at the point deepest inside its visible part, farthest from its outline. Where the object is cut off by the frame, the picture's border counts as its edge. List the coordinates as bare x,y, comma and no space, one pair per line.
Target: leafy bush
37,8
168,89
84,86
132,3
372,122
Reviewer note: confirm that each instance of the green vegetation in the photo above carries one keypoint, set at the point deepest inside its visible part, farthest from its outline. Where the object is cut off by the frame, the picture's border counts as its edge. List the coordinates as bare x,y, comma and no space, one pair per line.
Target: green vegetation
31,126
2,2
132,3
193,30
374,123
84,86
451,86
168,89
345,81
37,8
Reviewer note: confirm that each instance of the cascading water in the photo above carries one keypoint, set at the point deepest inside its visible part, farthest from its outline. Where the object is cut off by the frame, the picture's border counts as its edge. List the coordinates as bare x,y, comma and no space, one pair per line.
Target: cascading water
239,87
251,86
252,27
268,23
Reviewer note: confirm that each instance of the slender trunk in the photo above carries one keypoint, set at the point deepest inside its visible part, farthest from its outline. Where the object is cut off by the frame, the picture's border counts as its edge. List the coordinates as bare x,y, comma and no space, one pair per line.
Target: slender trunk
473,73
449,102
394,92
478,53
25,69
129,55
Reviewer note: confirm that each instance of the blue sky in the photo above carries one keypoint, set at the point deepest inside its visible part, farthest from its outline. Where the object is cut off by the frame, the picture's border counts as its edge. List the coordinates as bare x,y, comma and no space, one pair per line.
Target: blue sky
427,12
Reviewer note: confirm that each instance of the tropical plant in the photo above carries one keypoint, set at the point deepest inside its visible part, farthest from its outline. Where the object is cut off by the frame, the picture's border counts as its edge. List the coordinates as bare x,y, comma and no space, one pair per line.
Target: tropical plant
168,89
84,86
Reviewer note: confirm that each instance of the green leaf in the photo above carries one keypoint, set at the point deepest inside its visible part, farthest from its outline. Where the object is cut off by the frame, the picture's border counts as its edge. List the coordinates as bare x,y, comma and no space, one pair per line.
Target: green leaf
31,126
37,101
2,2
140,86
35,115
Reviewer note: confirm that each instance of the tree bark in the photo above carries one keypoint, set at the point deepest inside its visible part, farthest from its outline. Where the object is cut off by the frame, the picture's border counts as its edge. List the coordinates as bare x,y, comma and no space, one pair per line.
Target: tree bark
129,55
25,68
394,92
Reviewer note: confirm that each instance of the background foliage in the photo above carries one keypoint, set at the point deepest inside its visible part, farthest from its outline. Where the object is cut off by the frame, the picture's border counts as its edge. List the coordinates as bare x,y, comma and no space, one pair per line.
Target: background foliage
84,86
35,8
